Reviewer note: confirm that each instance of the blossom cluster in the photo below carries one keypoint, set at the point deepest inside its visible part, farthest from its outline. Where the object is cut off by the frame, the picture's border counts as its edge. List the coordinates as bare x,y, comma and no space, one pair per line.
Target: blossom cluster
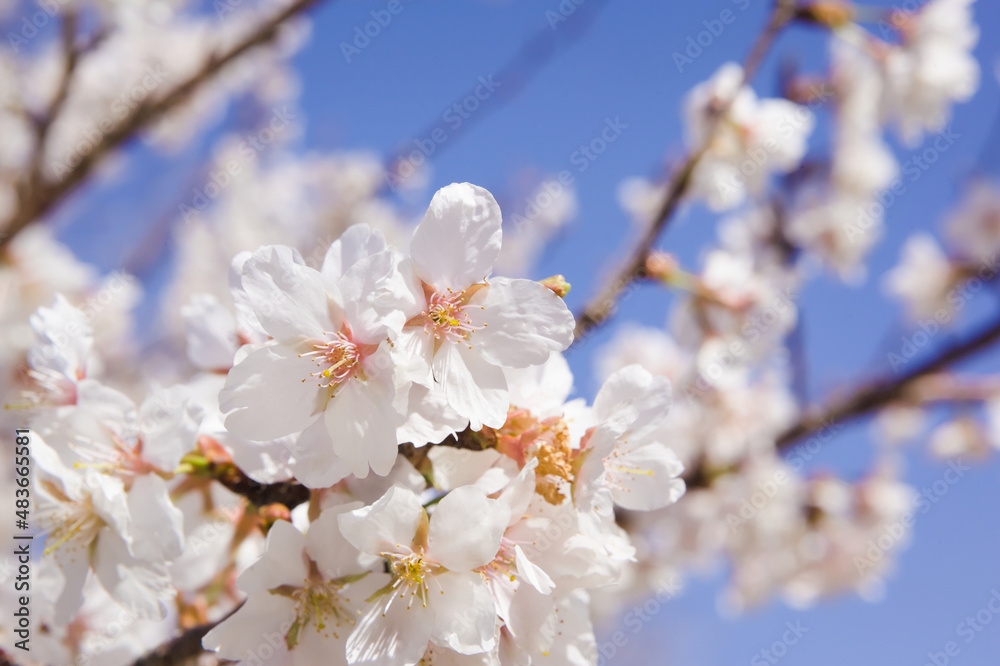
344,435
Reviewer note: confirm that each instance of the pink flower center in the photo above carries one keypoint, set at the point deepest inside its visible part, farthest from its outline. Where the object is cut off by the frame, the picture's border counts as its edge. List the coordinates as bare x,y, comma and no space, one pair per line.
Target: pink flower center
339,359
447,317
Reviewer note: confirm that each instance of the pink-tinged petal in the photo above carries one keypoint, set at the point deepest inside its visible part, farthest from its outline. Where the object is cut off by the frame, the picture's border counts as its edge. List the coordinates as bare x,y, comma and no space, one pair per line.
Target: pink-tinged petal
139,585
314,463
290,299
473,387
391,632
356,243
157,526
520,324
269,396
465,616
283,561
457,242
466,528
240,637
645,478
386,525
361,422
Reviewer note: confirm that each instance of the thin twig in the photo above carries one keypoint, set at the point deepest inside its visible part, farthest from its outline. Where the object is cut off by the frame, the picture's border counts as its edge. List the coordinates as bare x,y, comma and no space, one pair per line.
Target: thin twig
44,195
597,311
870,397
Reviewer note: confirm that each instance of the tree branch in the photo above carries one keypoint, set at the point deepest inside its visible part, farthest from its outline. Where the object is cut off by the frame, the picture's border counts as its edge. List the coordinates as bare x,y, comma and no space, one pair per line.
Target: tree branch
597,311
185,646
40,197
868,398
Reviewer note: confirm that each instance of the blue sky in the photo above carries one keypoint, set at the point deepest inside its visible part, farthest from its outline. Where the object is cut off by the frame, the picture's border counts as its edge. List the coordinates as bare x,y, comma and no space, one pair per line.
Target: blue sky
615,61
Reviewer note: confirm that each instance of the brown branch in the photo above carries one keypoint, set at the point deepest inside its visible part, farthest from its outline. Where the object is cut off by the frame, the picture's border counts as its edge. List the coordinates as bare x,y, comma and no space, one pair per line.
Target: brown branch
289,493
185,646
868,398
597,311
40,198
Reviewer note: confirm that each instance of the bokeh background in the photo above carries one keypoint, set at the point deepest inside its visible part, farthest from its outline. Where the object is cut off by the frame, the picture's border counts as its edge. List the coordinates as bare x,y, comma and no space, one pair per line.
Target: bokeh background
558,85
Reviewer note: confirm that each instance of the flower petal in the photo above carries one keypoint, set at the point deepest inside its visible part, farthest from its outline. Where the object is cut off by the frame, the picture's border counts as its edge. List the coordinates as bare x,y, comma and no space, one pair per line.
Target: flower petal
464,613
457,242
356,243
474,388
522,322
290,299
268,395
361,422
385,525
466,528
282,563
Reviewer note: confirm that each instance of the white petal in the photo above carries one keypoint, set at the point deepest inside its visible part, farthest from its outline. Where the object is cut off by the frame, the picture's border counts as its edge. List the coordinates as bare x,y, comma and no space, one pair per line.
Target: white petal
356,243
169,421
457,242
454,467
534,575
475,388
378,297
261,616
283,561
290,299
157,526
429,419
391,633
328,548
644,479
464,613
74,565
210,332
361,421
521,324
268,395
314,463
141,586
387,524
466,528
